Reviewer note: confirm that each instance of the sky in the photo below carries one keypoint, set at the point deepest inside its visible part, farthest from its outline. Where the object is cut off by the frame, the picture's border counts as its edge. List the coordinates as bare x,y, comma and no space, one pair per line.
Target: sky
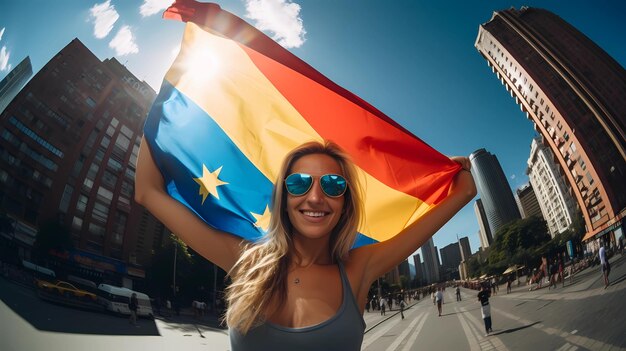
413,60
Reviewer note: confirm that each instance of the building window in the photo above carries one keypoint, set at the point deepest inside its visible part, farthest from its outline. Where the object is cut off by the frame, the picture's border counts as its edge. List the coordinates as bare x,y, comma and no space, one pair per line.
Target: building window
90,102
65,199
100,212
77,223
81,204
105,195
34,136
109,179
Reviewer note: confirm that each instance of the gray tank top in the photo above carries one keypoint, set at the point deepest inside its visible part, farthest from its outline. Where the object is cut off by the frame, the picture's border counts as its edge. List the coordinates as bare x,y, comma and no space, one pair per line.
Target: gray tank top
343,331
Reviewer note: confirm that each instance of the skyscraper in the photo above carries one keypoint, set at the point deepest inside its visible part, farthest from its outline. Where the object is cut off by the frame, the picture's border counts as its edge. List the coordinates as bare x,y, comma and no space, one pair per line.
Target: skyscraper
14,81
527,201
496,195
68,149
419,272
573,91
484,233
466,251
553,195
451,256
431,262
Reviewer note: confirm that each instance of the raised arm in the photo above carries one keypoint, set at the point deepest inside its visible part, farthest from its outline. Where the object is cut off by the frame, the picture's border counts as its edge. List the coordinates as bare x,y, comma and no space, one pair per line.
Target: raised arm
219,247
377,259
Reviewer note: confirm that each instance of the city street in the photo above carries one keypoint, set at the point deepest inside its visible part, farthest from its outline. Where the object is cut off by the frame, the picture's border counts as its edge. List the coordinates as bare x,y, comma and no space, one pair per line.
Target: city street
580,316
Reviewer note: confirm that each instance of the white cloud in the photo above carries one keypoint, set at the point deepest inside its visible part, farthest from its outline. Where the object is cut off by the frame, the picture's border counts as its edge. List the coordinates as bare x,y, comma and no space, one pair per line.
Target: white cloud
512,176
103,16
2,32
280,17
4,59
151,7
124,42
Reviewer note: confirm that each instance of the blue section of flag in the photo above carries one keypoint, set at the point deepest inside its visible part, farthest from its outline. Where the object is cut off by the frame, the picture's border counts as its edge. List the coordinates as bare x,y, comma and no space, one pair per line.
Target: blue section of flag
182,137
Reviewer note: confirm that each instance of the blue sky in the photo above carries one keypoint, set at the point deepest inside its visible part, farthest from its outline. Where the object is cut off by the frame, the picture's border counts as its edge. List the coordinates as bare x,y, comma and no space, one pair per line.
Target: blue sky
414,60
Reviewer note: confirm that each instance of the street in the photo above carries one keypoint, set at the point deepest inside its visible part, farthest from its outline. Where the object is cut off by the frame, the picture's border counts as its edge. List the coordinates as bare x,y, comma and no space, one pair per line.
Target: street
580,316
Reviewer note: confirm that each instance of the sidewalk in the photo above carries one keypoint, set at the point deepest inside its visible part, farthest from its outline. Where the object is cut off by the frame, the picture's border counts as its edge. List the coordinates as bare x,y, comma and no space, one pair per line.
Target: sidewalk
583,284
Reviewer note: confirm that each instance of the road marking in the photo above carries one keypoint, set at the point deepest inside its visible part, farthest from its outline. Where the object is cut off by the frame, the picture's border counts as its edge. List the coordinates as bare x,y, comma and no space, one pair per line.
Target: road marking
413,337
406,331
471,338
384,328
579,340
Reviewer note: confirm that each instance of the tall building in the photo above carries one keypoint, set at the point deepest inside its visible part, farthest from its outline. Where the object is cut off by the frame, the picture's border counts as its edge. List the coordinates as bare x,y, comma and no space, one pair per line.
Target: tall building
466,251
451,256
68,149
404,270
431,262
14,81
497,199
419,272
573,92
484,233
393,276
553,196
527,201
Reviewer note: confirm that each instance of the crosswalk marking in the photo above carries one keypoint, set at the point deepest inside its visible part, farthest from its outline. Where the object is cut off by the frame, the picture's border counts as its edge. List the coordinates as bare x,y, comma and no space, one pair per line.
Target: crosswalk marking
406,331
471,338
411,340
384,328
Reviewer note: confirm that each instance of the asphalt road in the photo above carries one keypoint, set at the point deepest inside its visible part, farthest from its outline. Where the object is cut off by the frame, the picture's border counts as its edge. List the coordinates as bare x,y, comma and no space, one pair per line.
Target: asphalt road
580,316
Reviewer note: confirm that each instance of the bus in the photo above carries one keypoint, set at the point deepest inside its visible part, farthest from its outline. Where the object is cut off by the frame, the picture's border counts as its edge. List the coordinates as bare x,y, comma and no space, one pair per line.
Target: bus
116,299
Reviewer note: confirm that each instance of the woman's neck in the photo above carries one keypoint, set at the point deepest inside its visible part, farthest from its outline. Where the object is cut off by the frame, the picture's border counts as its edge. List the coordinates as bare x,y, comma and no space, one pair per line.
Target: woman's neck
309,252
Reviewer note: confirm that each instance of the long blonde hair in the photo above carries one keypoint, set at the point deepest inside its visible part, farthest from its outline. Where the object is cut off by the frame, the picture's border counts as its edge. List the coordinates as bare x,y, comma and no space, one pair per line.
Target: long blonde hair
261,271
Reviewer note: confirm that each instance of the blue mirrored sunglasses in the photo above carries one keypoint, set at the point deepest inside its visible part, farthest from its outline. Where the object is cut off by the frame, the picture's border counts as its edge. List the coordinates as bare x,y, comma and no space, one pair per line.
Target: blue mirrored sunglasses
333,185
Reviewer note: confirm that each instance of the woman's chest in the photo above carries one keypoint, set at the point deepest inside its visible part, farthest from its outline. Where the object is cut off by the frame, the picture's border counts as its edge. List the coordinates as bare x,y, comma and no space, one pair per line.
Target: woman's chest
314,295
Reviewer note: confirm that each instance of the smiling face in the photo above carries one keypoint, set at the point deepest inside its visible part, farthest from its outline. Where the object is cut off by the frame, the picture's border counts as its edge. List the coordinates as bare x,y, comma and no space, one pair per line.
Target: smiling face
314,215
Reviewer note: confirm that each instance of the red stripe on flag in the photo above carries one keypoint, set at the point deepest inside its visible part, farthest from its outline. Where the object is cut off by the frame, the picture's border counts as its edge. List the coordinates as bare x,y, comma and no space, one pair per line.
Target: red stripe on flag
395,157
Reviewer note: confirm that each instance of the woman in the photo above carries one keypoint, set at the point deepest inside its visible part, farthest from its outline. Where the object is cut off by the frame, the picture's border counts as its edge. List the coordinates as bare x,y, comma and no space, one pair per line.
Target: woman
299,287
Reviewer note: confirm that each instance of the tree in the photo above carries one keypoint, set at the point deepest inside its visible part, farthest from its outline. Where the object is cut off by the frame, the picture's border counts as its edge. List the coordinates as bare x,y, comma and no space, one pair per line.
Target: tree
516,243
51,234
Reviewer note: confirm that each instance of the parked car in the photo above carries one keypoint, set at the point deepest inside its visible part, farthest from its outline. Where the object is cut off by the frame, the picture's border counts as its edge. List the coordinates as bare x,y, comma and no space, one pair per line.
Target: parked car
66,289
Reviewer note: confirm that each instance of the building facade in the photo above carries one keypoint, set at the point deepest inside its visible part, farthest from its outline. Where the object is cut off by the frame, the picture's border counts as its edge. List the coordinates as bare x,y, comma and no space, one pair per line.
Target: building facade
553,194
466,250
419,272
496,195
573,92
68,144
14,81
484,233
431,262
527,202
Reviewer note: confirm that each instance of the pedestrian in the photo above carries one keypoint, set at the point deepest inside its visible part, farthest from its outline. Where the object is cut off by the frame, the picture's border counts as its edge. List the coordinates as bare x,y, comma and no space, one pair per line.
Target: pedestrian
316,212
367,305
383,304
439,298
606,267
133,305
402,306
458,293
509,281
432,296
561,269
485,309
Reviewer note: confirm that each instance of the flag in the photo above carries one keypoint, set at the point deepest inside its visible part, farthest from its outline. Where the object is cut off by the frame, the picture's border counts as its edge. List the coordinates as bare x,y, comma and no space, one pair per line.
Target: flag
234,103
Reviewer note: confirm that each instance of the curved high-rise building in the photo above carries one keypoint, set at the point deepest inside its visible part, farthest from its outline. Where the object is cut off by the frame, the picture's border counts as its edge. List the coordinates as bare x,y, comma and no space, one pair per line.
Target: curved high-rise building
574,93
493,188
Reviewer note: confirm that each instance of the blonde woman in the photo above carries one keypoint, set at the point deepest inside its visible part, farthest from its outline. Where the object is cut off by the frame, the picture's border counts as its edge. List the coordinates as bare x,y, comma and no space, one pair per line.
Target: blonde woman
301,287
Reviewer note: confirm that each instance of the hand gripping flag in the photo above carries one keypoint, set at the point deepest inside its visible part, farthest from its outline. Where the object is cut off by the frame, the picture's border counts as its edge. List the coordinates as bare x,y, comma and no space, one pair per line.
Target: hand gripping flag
235,102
